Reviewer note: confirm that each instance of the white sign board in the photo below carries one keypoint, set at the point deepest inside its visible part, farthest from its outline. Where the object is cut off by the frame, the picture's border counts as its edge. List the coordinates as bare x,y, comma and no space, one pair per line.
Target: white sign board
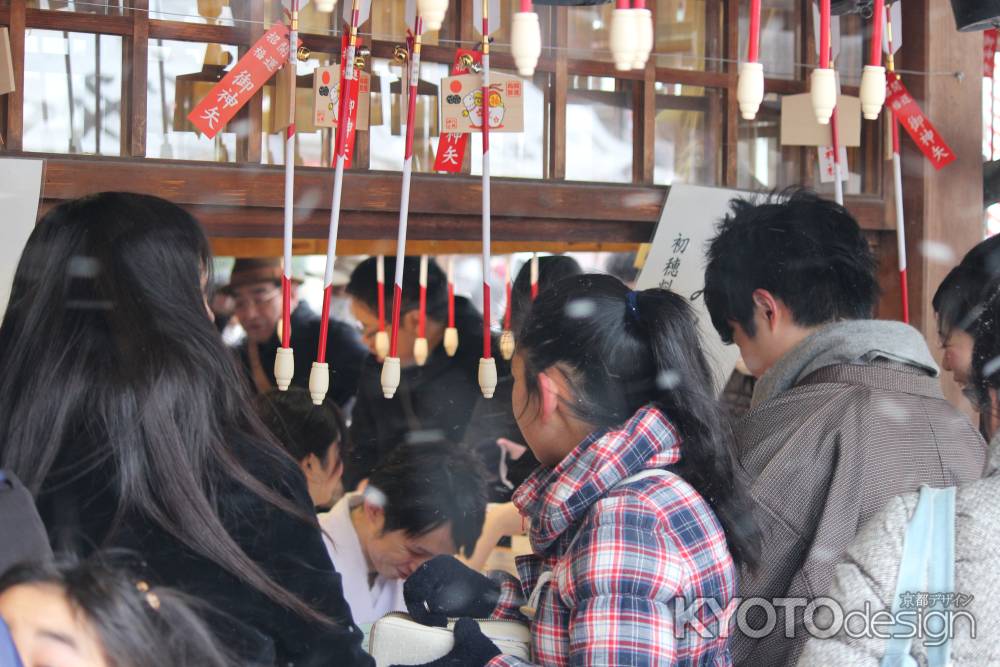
676,261
20,192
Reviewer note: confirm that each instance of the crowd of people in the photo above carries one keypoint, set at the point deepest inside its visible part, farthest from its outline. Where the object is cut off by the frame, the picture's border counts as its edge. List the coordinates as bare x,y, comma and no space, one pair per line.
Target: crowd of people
163,503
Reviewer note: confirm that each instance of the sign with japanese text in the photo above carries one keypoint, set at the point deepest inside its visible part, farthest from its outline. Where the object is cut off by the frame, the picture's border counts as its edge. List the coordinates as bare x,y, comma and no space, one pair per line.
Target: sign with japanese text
677,260
828,165
353,88
451,146
462,103
326,97
989,51
924,135
21,183
252,71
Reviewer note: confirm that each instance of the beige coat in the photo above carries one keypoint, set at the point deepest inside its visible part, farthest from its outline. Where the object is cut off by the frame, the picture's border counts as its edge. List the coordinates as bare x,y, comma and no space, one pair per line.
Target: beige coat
870,568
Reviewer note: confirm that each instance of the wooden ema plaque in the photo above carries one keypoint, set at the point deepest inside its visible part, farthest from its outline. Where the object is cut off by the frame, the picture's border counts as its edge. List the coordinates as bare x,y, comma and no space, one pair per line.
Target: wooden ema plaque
462,103
326,97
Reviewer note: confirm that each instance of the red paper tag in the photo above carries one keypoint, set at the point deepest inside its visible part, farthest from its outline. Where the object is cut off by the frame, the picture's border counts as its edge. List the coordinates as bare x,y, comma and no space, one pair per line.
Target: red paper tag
252,71
990,38
920,129
451,146
352,101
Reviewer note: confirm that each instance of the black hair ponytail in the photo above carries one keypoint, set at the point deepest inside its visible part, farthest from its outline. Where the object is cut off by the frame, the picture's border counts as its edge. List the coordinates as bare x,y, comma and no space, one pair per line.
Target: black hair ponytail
622,350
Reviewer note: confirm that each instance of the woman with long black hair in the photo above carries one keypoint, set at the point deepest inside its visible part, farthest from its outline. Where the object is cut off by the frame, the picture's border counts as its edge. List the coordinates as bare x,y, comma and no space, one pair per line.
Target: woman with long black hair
639,513
124,414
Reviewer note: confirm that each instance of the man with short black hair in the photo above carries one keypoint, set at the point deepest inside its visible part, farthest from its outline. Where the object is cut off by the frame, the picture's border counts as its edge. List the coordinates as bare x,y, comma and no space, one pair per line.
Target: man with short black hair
423,500
847,411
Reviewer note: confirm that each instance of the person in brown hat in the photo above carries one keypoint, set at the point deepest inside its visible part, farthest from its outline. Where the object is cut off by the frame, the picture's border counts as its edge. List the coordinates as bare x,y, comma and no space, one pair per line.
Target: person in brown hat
255,285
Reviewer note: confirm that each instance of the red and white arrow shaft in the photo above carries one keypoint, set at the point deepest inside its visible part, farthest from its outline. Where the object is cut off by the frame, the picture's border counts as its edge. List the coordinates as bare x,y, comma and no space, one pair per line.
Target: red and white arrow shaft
753,43
487,346
509,290
404,196
824,34
286,274
380,282
897,180
338,178
878,18
422,322
451,292
838,184
534,276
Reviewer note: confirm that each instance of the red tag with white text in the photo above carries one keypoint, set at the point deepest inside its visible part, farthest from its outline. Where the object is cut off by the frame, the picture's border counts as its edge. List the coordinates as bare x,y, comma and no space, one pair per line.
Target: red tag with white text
451,146
990,38
352,102
920,129
252,71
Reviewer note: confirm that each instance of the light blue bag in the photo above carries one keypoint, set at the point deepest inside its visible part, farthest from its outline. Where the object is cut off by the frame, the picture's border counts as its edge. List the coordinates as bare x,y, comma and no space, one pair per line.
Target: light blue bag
927,566
8,652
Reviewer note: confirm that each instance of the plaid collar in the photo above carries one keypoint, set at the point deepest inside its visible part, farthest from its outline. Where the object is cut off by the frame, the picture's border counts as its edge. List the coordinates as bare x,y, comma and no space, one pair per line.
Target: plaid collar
556,498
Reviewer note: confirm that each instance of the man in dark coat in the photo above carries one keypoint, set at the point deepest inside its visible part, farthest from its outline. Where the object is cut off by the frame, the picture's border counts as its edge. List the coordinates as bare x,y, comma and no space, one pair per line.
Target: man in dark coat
847,411
255,285
434,401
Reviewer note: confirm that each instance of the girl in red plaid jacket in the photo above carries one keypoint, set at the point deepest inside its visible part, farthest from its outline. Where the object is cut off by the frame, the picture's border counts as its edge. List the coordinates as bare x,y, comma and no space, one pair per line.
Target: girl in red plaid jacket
639,513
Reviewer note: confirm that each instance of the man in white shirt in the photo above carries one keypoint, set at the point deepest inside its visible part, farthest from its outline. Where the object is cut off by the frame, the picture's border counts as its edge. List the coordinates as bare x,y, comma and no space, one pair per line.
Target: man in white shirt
423,500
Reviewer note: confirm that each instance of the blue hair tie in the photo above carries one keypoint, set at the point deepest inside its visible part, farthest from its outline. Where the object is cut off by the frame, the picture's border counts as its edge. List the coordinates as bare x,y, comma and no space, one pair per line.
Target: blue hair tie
633,304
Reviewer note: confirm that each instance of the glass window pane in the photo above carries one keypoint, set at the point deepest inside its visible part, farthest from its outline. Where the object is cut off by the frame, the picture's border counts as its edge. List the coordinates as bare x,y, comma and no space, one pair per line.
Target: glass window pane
388,22
180,75
762,163
388,116
211,12
780,37
599,130
316,22
105,7
589,31
313,146
688,134
854,35
72,92
518,154
683,31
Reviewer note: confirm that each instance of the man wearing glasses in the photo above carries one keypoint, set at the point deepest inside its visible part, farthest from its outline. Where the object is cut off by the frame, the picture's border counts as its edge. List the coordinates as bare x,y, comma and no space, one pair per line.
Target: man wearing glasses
255,285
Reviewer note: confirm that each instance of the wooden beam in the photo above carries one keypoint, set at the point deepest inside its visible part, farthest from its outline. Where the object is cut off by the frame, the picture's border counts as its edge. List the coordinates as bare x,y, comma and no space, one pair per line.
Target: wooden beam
689,77
211,184
135,56
46,19
14,139
730,141
195,32
271,247
4,19
249,135
558,99
601,68
235,201
245,201
644,104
